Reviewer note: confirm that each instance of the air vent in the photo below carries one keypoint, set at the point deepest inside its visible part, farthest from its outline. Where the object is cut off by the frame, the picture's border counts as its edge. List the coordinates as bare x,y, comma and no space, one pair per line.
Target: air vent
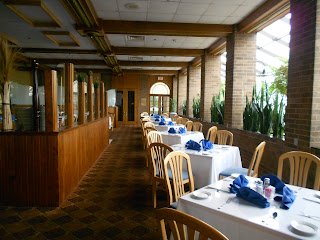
135,38
135,58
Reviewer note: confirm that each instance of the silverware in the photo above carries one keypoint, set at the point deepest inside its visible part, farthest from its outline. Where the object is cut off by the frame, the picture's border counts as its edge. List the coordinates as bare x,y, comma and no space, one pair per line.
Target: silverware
227,202
311,200
309,216
274,215
218,190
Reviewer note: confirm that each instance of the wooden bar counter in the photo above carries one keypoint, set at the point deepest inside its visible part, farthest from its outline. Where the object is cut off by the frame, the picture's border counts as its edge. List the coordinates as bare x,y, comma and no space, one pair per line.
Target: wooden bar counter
42,168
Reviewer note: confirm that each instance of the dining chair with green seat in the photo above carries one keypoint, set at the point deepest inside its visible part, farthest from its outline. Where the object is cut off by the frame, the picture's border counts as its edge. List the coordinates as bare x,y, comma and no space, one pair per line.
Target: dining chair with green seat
157,152
173,163
189,125
197,126
185,226
253,167
211,135
300,163
224,137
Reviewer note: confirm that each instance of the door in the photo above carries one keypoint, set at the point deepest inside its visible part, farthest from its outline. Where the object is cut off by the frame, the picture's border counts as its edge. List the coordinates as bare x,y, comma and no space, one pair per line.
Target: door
159,104
126,101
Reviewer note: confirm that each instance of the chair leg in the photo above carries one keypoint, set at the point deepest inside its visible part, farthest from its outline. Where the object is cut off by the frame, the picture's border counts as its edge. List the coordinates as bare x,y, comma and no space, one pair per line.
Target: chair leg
154,194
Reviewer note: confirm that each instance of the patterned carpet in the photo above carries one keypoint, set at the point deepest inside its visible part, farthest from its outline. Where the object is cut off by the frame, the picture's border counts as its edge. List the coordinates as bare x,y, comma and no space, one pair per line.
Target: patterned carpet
113,201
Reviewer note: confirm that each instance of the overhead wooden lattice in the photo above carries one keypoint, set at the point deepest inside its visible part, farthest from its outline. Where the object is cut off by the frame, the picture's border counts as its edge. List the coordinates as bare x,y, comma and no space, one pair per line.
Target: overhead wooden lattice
34,12
62,38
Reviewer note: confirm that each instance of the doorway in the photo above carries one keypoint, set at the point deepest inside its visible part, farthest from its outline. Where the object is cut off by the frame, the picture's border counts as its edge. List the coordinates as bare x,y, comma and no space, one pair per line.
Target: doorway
159,98
126,102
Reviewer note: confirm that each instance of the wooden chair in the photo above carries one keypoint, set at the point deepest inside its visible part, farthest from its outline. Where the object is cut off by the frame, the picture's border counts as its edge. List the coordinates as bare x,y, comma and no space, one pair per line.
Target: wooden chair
222,136
189,125
179,120
175,118
299,168
149,124
165,114
147,130
184,121
184,226
197,126
153,137
253,167
157,153
173,164
211,135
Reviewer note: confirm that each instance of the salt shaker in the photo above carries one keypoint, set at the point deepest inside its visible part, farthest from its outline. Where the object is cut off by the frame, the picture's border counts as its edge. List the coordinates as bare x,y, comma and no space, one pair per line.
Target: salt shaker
259,188
266,183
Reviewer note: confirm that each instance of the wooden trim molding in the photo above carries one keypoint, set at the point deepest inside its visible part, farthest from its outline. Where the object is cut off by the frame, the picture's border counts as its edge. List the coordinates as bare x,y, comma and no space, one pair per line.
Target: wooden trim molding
71,42
18,7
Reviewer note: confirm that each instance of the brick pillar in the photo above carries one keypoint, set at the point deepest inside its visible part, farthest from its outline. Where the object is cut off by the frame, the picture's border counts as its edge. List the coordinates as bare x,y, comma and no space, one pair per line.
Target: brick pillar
194,87
210,83
174,87
178,101
182,94
302,112
240,76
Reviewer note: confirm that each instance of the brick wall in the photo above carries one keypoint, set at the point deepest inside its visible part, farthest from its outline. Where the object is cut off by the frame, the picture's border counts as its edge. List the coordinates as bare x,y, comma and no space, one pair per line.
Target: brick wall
194,87
303,77
210,83
240,75
182,92
175,89
143,93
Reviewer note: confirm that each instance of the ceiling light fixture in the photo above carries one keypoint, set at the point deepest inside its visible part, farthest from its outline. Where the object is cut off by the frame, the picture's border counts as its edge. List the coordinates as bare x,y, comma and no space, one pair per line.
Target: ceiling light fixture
131,6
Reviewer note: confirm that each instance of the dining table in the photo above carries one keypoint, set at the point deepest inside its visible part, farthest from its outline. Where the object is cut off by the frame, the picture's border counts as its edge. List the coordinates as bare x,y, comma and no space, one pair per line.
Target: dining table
166,127
178,138
207,165
153,120
239,219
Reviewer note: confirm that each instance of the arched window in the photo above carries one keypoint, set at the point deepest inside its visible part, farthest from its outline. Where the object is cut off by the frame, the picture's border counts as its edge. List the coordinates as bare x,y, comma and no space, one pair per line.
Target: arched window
160,89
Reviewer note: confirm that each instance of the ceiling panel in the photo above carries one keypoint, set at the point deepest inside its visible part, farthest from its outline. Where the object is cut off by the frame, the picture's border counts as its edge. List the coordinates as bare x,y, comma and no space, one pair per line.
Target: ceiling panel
63,56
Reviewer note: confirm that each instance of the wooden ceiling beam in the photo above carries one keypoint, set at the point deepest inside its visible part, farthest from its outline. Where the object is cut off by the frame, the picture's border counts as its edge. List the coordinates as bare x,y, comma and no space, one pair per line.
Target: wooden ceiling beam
267,13
74,61
157,51
165,28
153,64
95,70
151,72
58,50
217,47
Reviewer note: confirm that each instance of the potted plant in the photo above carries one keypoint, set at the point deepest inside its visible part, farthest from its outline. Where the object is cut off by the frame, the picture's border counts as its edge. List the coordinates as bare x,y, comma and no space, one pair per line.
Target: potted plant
8,56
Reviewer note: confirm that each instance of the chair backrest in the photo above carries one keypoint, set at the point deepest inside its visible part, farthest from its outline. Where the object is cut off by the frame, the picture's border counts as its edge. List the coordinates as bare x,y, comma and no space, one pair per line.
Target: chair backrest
157,152
184,121
299,168
211,135
224,136
165,114
184,226
175,161
154,136
256,159
197,126
175,118
179,120
189,125
149,124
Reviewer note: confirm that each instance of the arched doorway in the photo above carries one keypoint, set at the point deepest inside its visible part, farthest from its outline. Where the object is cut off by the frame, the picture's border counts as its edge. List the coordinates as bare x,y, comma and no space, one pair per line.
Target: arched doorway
159,98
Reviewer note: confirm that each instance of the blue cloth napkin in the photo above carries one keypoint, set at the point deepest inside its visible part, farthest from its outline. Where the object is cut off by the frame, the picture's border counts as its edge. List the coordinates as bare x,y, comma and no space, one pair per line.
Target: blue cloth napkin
287,198
239,182
157,120
182,130
193,145
275,181
156,115
162,123
172,130
170,123
206,144
161,116
151,114
253,197
163,120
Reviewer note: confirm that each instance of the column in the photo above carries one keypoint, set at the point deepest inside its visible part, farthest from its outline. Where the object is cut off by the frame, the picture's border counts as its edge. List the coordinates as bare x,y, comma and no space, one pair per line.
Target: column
50,84
102,102
182,92
194,88
302,112
210,83
81,104
90,97
69,77
240,76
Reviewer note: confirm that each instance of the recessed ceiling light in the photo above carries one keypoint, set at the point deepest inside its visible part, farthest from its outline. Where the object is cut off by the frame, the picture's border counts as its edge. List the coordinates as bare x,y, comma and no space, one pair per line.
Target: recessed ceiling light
131,6
135,38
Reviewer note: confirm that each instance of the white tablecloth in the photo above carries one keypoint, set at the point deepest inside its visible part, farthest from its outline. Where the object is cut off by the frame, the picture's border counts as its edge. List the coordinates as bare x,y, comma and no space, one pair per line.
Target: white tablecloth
172,139
243,220
207,165
152,119
165,128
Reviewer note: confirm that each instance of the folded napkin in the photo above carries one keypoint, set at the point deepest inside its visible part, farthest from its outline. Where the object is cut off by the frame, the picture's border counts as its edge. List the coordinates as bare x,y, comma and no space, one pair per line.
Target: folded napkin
274,181
151,114
156,115
182,130
206,144
239,182
157,120
161,116
172,130
253,197
162,123
170,123
193,145
163,120
287,198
